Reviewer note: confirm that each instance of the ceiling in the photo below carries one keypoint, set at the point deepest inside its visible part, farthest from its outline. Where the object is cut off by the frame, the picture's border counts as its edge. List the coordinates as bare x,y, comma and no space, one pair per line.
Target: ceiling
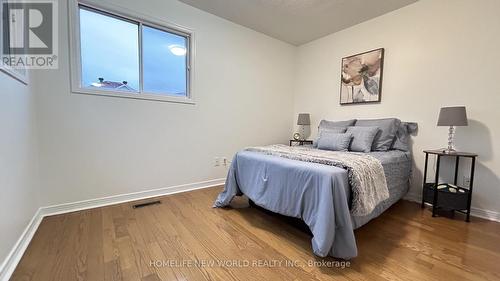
298,21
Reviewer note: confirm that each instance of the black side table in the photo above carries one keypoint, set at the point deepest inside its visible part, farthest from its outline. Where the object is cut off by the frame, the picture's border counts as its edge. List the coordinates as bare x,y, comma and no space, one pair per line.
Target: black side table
300,142
445,195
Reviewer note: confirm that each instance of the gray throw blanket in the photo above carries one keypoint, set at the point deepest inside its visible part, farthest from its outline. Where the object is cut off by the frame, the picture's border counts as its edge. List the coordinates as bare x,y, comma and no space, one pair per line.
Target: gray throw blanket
365,173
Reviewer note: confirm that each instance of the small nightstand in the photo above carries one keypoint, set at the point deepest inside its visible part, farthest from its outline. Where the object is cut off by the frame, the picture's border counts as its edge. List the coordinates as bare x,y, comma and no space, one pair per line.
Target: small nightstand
448,196
300,142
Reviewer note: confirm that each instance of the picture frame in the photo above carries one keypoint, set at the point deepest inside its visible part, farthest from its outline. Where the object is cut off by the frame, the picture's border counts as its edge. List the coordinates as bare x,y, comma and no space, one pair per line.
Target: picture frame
9,32
361,77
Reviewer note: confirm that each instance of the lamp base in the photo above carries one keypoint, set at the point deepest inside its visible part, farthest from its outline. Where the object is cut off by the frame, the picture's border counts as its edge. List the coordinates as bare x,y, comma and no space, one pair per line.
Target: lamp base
451,135
304,132
449,151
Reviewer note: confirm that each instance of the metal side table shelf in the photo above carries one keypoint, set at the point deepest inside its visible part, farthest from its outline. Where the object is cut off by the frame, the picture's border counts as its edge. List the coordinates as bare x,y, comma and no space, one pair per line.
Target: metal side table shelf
446,195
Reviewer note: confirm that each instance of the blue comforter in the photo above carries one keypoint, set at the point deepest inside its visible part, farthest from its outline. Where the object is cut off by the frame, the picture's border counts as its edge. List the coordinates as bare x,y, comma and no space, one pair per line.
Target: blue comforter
297,189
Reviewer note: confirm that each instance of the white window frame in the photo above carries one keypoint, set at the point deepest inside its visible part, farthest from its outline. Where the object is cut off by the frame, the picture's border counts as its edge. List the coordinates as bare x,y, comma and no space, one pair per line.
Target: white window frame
123,13
21,77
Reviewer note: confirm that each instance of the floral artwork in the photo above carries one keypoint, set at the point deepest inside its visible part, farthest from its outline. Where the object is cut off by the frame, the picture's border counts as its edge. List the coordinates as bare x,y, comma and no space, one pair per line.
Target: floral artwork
361,80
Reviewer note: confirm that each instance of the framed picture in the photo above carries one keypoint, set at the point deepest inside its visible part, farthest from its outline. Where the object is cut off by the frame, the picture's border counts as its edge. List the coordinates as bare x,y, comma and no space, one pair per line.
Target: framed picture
361,79
10,33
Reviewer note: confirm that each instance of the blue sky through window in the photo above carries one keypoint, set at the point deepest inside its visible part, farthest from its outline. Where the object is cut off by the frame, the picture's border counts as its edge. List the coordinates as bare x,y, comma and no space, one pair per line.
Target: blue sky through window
110,50
164,68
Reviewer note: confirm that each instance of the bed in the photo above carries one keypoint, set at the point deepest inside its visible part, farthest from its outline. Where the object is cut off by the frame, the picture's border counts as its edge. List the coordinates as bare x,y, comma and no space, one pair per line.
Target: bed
333,192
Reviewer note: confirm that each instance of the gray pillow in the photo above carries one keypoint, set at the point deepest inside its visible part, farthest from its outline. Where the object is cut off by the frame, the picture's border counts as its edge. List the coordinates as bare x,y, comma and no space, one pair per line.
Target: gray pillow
325,124
402,138
331,130
362,138
335,142
385,137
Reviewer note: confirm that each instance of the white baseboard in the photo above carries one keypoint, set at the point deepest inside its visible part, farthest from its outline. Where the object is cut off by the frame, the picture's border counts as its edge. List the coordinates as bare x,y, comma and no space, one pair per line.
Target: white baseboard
9,264
475,212
13,258
116,199
485,214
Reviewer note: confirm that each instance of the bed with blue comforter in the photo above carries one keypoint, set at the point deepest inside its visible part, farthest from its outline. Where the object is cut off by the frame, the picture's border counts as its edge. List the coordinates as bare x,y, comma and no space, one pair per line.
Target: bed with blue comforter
333,192
318,194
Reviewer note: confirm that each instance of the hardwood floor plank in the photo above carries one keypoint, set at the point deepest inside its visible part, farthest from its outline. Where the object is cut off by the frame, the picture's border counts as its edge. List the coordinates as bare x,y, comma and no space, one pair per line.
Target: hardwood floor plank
184,238
95,257
112,271
80,248
110,251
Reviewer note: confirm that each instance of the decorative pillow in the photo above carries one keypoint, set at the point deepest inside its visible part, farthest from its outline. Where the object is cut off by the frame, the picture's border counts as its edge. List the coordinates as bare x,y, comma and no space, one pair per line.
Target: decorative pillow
362,138
330,130
325,124
402,138
385,137
335,142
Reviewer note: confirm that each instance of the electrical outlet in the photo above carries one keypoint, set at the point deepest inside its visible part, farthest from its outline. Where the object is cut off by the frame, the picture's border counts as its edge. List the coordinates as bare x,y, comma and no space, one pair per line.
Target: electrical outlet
216,162
466,181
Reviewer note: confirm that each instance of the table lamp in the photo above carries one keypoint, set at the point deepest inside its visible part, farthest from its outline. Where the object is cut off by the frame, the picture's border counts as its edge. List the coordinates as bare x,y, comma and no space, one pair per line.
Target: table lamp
452,116
303,121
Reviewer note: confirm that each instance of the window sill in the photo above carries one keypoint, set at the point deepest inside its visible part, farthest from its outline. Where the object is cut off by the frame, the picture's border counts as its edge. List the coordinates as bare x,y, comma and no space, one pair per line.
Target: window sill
137,96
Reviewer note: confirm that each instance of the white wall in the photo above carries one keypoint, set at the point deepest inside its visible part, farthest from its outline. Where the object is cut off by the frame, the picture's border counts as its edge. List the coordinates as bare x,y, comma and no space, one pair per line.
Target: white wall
95,146
438,53
18,161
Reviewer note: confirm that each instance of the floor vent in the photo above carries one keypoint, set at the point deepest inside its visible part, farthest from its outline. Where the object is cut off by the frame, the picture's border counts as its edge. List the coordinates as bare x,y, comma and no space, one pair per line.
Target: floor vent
146,204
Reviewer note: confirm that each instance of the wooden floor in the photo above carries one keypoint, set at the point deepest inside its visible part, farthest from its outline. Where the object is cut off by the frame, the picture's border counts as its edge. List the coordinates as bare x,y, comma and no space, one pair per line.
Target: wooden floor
164,242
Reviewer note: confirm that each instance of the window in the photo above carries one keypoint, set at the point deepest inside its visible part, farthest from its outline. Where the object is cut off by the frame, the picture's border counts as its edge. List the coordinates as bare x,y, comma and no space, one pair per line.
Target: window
119,54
